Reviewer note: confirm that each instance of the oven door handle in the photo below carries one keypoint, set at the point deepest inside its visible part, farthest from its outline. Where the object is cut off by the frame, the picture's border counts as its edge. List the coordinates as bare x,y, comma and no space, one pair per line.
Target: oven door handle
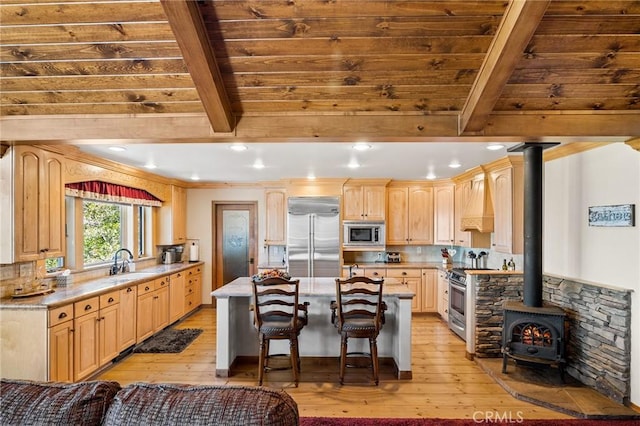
457,286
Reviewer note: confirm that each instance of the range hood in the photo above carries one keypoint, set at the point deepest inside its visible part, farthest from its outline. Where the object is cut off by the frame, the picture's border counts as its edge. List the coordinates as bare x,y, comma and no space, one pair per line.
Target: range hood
478,213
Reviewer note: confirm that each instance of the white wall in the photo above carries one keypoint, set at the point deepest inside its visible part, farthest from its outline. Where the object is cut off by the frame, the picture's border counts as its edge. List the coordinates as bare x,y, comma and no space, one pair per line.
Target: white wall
200,220
602,255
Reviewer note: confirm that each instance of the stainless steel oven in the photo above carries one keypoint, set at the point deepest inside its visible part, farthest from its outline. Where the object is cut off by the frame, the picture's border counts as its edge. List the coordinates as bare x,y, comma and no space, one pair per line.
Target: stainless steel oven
457,302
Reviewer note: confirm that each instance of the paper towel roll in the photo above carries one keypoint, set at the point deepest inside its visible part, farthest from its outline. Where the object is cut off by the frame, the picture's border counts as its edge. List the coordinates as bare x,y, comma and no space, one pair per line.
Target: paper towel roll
193,253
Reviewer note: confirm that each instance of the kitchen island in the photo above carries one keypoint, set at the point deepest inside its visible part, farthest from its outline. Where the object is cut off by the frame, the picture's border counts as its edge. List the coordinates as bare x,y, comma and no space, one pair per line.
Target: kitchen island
236,336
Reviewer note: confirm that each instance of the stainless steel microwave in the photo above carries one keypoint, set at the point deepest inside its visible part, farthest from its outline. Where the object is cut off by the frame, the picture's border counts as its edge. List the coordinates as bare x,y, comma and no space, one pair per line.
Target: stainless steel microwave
363,234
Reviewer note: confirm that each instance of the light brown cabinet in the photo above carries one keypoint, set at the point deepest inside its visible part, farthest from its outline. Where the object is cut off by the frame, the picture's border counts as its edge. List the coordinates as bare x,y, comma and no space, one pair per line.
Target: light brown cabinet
176,296
61,344
108,327
507,187
276,201
173,218
86,338
153,308
33,211
364,202
410,215
193,289
127,324
412,277
429,290
365,272
443,295
443,217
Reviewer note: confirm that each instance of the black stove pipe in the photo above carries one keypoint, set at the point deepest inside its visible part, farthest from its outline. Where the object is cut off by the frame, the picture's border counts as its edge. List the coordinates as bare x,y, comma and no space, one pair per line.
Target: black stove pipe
533,212
532,226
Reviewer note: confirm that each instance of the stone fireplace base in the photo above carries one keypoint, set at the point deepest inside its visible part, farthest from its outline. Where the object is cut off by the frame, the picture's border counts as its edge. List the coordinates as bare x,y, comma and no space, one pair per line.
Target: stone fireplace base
598,350
545,388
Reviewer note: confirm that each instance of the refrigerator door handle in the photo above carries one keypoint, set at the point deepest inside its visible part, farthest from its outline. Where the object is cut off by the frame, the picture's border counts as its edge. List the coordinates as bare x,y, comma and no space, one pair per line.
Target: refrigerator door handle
311,245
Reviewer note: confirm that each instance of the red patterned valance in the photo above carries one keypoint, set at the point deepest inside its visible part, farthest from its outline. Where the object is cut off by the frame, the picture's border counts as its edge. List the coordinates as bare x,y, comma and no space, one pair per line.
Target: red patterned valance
103,191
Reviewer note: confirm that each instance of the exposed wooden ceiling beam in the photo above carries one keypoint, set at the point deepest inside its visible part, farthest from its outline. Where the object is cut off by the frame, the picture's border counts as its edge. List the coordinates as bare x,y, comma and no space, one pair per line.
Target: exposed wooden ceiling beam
187,25
518,25
164,128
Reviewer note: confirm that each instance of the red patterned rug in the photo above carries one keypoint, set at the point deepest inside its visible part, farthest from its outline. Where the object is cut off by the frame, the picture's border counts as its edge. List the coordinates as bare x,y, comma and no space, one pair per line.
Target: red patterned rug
346,421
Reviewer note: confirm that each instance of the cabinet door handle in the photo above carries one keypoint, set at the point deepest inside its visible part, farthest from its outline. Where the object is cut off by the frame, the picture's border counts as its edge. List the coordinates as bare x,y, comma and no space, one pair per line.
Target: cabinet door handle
375,274
146,288
88,308
110,300
62,315
129,289
404,273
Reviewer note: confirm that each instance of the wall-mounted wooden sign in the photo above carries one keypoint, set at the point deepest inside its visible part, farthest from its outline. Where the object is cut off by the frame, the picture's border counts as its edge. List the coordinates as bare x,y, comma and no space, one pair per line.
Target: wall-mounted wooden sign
620,215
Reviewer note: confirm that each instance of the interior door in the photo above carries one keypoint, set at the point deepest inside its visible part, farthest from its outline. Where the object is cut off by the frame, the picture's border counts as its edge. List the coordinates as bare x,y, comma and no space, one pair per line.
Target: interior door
235,241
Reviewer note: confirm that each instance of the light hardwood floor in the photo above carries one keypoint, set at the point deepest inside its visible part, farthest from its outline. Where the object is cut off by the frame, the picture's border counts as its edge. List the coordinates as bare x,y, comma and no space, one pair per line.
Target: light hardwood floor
445,384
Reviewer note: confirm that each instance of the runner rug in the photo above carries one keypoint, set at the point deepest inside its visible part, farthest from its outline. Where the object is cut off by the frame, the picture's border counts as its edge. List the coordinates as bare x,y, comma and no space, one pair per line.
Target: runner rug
168,341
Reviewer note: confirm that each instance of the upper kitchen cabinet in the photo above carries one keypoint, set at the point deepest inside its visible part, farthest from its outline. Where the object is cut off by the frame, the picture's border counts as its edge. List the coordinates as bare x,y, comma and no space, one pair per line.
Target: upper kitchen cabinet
364,201
276,217
32,205
410,214
443,218
173,218
464,186
507,191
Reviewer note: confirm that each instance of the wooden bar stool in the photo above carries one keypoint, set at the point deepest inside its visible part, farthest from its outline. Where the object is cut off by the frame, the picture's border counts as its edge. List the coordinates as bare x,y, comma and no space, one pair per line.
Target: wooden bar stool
358,313
278,316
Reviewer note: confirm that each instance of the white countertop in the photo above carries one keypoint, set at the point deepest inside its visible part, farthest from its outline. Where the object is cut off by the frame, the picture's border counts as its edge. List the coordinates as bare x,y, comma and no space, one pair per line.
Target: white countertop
309,286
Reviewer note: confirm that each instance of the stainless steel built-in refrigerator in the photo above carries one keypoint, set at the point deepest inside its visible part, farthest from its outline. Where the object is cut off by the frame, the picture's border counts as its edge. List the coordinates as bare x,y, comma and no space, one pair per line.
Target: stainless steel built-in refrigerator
313,241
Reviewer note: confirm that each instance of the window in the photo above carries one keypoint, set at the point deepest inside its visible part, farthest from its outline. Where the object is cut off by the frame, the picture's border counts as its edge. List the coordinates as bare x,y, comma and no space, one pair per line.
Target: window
102,218
102,231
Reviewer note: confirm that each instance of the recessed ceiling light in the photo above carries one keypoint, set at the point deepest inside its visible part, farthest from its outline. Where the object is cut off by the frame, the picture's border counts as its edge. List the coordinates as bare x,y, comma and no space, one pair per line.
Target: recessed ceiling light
311,176
195,177
361,146
431,176
454,164
353,165
150,166
238,147
495,147
258,165
117,148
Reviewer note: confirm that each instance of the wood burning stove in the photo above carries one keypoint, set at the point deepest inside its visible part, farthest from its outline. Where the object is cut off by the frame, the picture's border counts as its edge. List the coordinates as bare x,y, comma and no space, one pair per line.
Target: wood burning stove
532,332
533,335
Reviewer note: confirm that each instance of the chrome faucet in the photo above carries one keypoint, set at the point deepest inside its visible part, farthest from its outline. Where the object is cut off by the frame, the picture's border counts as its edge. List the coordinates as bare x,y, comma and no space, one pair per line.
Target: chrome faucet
114,268
355,265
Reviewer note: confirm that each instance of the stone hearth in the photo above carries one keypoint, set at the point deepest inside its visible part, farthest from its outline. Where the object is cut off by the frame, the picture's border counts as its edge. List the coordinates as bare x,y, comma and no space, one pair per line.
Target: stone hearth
598,351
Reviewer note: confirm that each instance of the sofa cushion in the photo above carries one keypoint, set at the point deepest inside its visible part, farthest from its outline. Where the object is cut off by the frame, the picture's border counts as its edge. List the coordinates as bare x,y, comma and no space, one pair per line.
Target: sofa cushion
25,402
174,404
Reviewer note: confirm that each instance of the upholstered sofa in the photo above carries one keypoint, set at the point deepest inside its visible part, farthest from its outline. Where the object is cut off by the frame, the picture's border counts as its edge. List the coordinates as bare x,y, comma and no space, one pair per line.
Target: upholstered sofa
107,403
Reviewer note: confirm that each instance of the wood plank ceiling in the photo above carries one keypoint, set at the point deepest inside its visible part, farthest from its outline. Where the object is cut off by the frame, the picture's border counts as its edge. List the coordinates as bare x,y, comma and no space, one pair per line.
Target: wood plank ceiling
319,69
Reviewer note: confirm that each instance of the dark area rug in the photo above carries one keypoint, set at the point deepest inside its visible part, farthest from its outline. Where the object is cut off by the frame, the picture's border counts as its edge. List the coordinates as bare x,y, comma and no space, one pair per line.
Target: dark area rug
169,341
495,421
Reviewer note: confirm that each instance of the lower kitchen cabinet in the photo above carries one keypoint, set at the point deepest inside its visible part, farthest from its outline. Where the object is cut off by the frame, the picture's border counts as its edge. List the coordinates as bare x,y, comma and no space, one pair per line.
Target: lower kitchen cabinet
412,277
108,327
61,344
429,290
153,308
176,296
193,289
85,337
443,295
127,325
71,342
